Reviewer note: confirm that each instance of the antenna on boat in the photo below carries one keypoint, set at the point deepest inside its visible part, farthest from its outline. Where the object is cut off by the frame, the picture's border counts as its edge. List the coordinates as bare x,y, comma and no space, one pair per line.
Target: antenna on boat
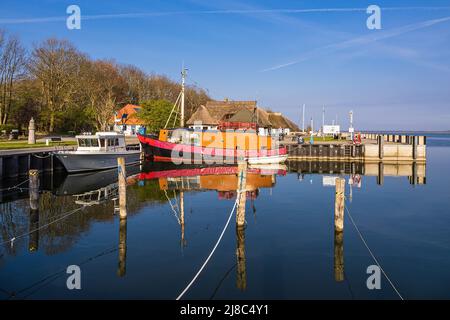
180,99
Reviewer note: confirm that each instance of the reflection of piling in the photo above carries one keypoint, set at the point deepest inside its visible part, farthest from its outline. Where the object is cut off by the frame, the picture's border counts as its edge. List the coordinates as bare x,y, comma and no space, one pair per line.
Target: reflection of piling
339,207
183,240
338,255
241,278
33,244
122,187
242,182
122,247
380,177
123,216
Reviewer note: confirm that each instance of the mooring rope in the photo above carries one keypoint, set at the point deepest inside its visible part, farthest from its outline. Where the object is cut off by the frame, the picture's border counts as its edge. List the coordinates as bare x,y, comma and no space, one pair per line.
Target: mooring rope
371,253
69,213
43,157
212,251
15,186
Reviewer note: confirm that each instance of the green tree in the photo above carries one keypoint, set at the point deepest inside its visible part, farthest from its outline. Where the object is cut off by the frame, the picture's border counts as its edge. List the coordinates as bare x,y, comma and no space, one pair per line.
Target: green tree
155,113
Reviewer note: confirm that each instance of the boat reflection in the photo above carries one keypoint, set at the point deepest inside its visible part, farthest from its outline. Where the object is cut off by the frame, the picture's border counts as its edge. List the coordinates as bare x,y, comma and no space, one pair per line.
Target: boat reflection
227,181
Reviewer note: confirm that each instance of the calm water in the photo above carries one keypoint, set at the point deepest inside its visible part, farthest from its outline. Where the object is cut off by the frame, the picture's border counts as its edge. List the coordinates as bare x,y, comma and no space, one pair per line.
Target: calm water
288,242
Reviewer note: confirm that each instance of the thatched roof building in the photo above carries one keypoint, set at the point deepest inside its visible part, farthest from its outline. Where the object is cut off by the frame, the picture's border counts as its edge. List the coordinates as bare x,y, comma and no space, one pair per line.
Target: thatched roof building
239,111
279,121
202,115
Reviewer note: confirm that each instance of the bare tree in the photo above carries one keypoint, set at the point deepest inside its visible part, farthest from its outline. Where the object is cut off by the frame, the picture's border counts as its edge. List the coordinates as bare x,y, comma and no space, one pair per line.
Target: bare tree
12,63
56,64
136,81
106,89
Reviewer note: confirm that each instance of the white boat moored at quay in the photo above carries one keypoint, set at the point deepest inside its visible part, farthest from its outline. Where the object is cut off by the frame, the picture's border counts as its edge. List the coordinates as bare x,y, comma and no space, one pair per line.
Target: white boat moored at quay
98,152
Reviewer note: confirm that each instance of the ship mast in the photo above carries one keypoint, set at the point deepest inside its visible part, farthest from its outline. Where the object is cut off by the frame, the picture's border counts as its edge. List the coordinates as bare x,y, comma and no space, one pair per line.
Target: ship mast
183,78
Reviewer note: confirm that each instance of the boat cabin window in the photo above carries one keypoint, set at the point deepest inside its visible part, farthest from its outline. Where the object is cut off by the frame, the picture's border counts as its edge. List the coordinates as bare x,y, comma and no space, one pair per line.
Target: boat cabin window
102,143
88,142
113,142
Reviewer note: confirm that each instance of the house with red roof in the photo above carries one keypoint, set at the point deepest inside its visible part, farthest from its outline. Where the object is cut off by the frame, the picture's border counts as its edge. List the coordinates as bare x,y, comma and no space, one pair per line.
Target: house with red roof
126,120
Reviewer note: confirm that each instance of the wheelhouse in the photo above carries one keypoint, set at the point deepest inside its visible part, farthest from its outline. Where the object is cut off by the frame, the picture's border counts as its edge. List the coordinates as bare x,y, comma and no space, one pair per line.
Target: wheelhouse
101,141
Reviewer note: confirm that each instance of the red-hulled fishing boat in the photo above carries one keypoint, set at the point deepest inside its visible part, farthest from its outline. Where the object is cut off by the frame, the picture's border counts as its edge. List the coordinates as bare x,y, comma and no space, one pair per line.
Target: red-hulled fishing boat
229,143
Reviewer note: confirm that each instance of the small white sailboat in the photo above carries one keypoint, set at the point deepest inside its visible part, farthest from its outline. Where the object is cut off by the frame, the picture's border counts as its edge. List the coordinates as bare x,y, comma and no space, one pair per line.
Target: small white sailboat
98,152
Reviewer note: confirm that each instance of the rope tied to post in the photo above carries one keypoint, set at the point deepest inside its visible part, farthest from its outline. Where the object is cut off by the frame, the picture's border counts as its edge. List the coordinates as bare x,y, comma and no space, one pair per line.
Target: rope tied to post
15,186
58,218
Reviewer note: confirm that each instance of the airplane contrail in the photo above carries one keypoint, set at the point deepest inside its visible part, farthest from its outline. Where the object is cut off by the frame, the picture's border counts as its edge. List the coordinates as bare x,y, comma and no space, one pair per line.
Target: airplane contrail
206,12
380,35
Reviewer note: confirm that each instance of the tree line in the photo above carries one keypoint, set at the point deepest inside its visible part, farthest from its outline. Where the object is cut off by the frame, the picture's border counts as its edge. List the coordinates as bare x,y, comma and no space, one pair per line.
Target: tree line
63,89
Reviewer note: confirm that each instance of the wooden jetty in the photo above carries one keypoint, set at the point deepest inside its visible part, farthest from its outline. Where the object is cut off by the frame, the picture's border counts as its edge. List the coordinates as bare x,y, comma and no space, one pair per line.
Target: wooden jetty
14,163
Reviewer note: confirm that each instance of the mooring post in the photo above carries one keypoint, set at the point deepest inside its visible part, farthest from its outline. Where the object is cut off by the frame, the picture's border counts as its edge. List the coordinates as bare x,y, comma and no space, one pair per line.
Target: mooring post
33,184
414,147
242,183
122,187
339,207
380,146
122,248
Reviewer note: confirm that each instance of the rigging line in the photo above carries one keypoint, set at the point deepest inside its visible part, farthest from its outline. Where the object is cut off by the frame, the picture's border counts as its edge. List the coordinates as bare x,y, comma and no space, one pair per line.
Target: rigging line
172,207
371,253
210,255
43,226
170,115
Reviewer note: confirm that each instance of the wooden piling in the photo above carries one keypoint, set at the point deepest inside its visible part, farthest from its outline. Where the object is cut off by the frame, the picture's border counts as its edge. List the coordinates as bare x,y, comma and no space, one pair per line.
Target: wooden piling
380,146
242,183
414,147
33,184
122,187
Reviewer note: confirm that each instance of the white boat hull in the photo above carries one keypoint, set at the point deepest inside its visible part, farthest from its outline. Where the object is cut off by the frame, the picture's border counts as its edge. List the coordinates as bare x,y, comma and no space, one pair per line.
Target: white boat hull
90,161
268,160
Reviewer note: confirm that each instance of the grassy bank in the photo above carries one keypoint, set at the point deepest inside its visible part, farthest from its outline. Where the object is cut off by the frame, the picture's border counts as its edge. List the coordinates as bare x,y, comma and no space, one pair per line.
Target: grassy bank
8,145
326,138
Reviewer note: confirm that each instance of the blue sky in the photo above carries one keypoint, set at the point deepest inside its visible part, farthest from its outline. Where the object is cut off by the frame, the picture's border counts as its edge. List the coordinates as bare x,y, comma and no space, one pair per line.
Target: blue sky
394,78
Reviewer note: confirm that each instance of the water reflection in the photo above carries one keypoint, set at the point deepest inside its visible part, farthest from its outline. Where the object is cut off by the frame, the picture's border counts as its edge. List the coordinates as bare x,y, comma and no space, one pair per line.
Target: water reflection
413,171
165,184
